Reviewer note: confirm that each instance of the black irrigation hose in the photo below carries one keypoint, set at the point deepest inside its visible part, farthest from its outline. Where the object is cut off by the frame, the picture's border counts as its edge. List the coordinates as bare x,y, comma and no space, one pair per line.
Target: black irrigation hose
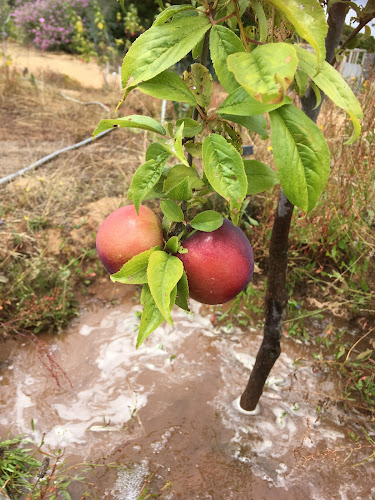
51,156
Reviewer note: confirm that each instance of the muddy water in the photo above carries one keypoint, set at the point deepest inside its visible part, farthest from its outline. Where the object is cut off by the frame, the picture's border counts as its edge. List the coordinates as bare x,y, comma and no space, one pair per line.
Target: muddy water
171,409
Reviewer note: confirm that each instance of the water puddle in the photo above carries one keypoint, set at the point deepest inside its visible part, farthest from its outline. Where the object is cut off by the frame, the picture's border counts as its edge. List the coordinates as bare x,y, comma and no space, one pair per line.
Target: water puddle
170,412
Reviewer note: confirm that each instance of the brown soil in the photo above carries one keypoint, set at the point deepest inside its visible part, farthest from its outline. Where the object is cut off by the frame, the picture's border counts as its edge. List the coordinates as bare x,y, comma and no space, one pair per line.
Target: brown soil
89,74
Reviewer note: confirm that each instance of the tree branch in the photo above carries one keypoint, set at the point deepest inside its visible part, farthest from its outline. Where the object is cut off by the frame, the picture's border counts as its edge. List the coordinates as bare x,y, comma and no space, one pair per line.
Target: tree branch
276,296
275,305
361,25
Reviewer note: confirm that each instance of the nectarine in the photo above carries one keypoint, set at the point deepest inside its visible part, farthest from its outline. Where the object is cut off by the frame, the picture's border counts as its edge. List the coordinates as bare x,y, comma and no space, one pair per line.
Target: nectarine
218,265
124,234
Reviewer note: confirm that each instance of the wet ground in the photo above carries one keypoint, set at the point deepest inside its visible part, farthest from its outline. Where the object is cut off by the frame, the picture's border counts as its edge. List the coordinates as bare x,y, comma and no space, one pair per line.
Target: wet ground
169,412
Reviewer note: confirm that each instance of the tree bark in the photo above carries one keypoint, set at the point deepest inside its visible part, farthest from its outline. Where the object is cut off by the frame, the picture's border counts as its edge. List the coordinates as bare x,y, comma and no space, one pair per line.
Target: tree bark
276,296
275,305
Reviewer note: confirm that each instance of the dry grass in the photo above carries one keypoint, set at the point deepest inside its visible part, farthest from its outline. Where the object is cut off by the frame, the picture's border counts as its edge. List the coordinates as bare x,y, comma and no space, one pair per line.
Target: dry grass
49,217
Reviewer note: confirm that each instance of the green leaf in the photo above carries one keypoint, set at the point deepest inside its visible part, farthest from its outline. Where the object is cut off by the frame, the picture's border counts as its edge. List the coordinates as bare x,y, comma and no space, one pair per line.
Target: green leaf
174,146
262,21
207,221
163,272
302,80
172,244
169,86
239,103
242,5
255,123
318,95
333,85
170,12
194,148
301,156
155,150
145,179
224,169
183,293
363,355
196,52
151,316
172,211
191,127
199,81
223,42
260,177
266,72
180,181
134,272
309,20
122,5
132,121
160,47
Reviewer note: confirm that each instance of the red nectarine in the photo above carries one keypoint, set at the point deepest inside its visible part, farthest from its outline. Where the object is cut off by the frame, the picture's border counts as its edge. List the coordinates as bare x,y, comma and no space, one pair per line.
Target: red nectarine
124,234
218,265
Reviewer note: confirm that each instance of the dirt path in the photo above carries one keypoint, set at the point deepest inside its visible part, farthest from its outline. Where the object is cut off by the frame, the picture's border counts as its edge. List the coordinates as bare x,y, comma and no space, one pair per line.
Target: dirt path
88,74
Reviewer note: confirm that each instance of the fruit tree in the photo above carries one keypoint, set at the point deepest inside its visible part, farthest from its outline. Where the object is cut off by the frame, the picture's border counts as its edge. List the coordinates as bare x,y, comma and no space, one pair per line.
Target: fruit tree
268,56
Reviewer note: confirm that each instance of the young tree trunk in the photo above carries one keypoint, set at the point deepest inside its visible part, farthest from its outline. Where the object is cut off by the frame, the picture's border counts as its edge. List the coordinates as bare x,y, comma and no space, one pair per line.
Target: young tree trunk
276,296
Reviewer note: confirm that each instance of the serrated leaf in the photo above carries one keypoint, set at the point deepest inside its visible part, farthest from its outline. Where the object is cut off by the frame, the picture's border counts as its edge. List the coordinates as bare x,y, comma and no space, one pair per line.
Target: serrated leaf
194,148
240,103
255,123
183,293
170,12
169,86
191,127
180,181
333,85
266,72
134,272
262,20
199,81
223,42
151,317
172,211
172,244
132,121
309,20
260,176
164,272
145,178
301,156
223,167
174,146
155,150
207,221
160,47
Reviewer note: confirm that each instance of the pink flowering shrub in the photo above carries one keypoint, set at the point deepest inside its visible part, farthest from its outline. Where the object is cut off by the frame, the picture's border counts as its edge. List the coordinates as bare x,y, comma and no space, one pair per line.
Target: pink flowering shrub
49,23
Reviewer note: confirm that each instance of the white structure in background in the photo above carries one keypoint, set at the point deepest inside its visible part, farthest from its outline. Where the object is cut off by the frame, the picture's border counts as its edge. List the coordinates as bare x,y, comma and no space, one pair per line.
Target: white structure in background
352,66
356,66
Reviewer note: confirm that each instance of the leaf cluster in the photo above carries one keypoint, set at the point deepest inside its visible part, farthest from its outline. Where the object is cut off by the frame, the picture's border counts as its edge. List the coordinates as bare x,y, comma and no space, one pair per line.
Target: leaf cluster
201,153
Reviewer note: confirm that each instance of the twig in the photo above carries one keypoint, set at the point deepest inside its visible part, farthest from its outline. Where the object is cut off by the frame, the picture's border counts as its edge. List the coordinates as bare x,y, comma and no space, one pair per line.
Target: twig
240,25
358,341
